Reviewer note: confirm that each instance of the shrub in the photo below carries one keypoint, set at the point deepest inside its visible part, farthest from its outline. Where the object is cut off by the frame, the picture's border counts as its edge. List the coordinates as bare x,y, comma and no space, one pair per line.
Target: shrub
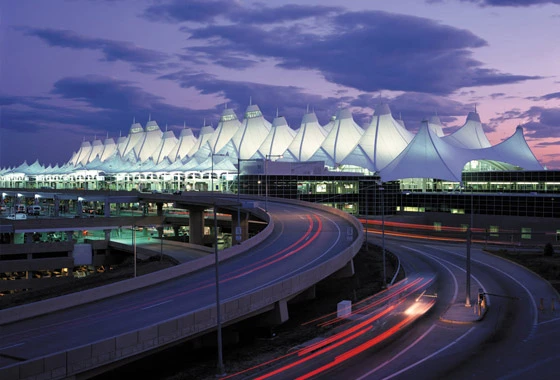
548,249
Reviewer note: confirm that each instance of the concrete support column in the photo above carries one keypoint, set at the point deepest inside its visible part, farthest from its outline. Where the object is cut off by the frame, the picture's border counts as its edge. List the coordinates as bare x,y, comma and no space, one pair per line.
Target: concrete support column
243,227
279,315
347,271
107,235
79,208
69,235
107,208
159,206
196,225
175,230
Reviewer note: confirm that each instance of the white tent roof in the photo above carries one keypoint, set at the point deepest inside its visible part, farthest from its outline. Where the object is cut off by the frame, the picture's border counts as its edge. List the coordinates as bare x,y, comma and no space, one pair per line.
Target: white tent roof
151,141
185,143
96,150
251,134
307,140
341,140
83,154
109,149
135,139
277,141
434,123
427,156
167,143
205,133
470,135
381,142
514,150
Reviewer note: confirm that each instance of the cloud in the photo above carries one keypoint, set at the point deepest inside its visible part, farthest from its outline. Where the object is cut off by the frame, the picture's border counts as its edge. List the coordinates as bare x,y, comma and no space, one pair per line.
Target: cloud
511,3
368,51
83,107
290,100
143,60
208,11
554,95
543,122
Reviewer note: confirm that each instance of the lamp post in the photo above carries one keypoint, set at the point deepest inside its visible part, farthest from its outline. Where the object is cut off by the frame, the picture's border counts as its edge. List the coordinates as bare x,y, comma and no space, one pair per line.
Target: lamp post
267,157
134,247
220,369
212,170
468,264
381,189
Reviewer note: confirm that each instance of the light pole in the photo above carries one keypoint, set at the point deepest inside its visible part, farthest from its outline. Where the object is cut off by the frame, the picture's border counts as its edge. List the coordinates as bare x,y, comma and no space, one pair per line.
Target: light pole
267,157
212,170
220,368
381,189
134,247
468,264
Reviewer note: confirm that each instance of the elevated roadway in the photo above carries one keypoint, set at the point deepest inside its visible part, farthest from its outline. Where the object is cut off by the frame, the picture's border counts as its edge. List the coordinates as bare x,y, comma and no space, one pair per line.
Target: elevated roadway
78,334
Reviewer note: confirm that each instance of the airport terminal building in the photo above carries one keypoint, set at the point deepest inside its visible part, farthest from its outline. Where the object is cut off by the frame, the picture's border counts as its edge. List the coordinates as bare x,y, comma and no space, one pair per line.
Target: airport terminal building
340,164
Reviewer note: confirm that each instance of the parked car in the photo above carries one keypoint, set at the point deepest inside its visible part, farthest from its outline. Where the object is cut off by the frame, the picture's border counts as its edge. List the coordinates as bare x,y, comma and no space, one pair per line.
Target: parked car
17,216
34,210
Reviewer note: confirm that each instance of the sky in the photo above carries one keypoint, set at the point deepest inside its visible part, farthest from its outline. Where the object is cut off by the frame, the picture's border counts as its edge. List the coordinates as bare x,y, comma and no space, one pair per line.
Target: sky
76,70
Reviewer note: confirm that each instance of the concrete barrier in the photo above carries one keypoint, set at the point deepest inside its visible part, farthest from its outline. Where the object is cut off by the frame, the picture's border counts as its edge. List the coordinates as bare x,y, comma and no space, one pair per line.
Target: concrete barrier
74,299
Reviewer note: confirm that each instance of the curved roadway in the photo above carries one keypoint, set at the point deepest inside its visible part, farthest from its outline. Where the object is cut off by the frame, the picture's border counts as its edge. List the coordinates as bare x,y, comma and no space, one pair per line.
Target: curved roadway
302,238
515,340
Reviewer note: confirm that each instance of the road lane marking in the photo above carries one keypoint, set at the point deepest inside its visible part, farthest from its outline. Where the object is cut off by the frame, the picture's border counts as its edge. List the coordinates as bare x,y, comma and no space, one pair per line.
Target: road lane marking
430,356
156,304
12,346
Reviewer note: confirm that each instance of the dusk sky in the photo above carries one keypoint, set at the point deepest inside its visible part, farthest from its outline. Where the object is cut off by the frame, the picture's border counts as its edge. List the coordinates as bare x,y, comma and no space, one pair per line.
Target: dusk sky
80,69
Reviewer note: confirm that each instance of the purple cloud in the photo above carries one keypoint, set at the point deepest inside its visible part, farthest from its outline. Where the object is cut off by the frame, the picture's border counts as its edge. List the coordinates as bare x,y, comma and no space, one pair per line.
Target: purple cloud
143,60
205,11
404,53
511,3
291,101
544,122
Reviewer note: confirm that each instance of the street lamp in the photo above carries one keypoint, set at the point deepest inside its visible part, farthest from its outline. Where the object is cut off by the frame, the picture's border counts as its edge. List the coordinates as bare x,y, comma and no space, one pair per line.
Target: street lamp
212,170
134,247
381,189
468,264
267,157
220,368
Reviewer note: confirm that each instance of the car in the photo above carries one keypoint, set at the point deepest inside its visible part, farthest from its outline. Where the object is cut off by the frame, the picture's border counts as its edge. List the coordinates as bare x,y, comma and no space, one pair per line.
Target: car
17,216
34,210
177,192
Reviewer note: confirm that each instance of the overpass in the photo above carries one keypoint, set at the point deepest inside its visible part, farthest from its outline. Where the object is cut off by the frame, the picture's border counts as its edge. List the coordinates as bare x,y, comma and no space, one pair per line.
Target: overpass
76,335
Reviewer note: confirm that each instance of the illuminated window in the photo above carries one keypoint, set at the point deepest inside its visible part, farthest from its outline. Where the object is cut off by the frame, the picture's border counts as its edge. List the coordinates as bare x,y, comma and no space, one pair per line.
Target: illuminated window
252,114
525,233
437,226
494,231
228,117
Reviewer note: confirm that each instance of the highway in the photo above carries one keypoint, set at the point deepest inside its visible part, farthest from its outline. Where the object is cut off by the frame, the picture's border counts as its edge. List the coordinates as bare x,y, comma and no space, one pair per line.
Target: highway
515,339
302,238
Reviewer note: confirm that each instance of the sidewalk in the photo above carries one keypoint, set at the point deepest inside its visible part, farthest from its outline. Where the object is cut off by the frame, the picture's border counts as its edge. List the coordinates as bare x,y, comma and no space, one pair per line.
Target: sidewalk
460,314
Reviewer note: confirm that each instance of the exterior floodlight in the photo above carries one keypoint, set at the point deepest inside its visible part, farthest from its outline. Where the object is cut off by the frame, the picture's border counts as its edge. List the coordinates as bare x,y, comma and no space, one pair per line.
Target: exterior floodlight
80,199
